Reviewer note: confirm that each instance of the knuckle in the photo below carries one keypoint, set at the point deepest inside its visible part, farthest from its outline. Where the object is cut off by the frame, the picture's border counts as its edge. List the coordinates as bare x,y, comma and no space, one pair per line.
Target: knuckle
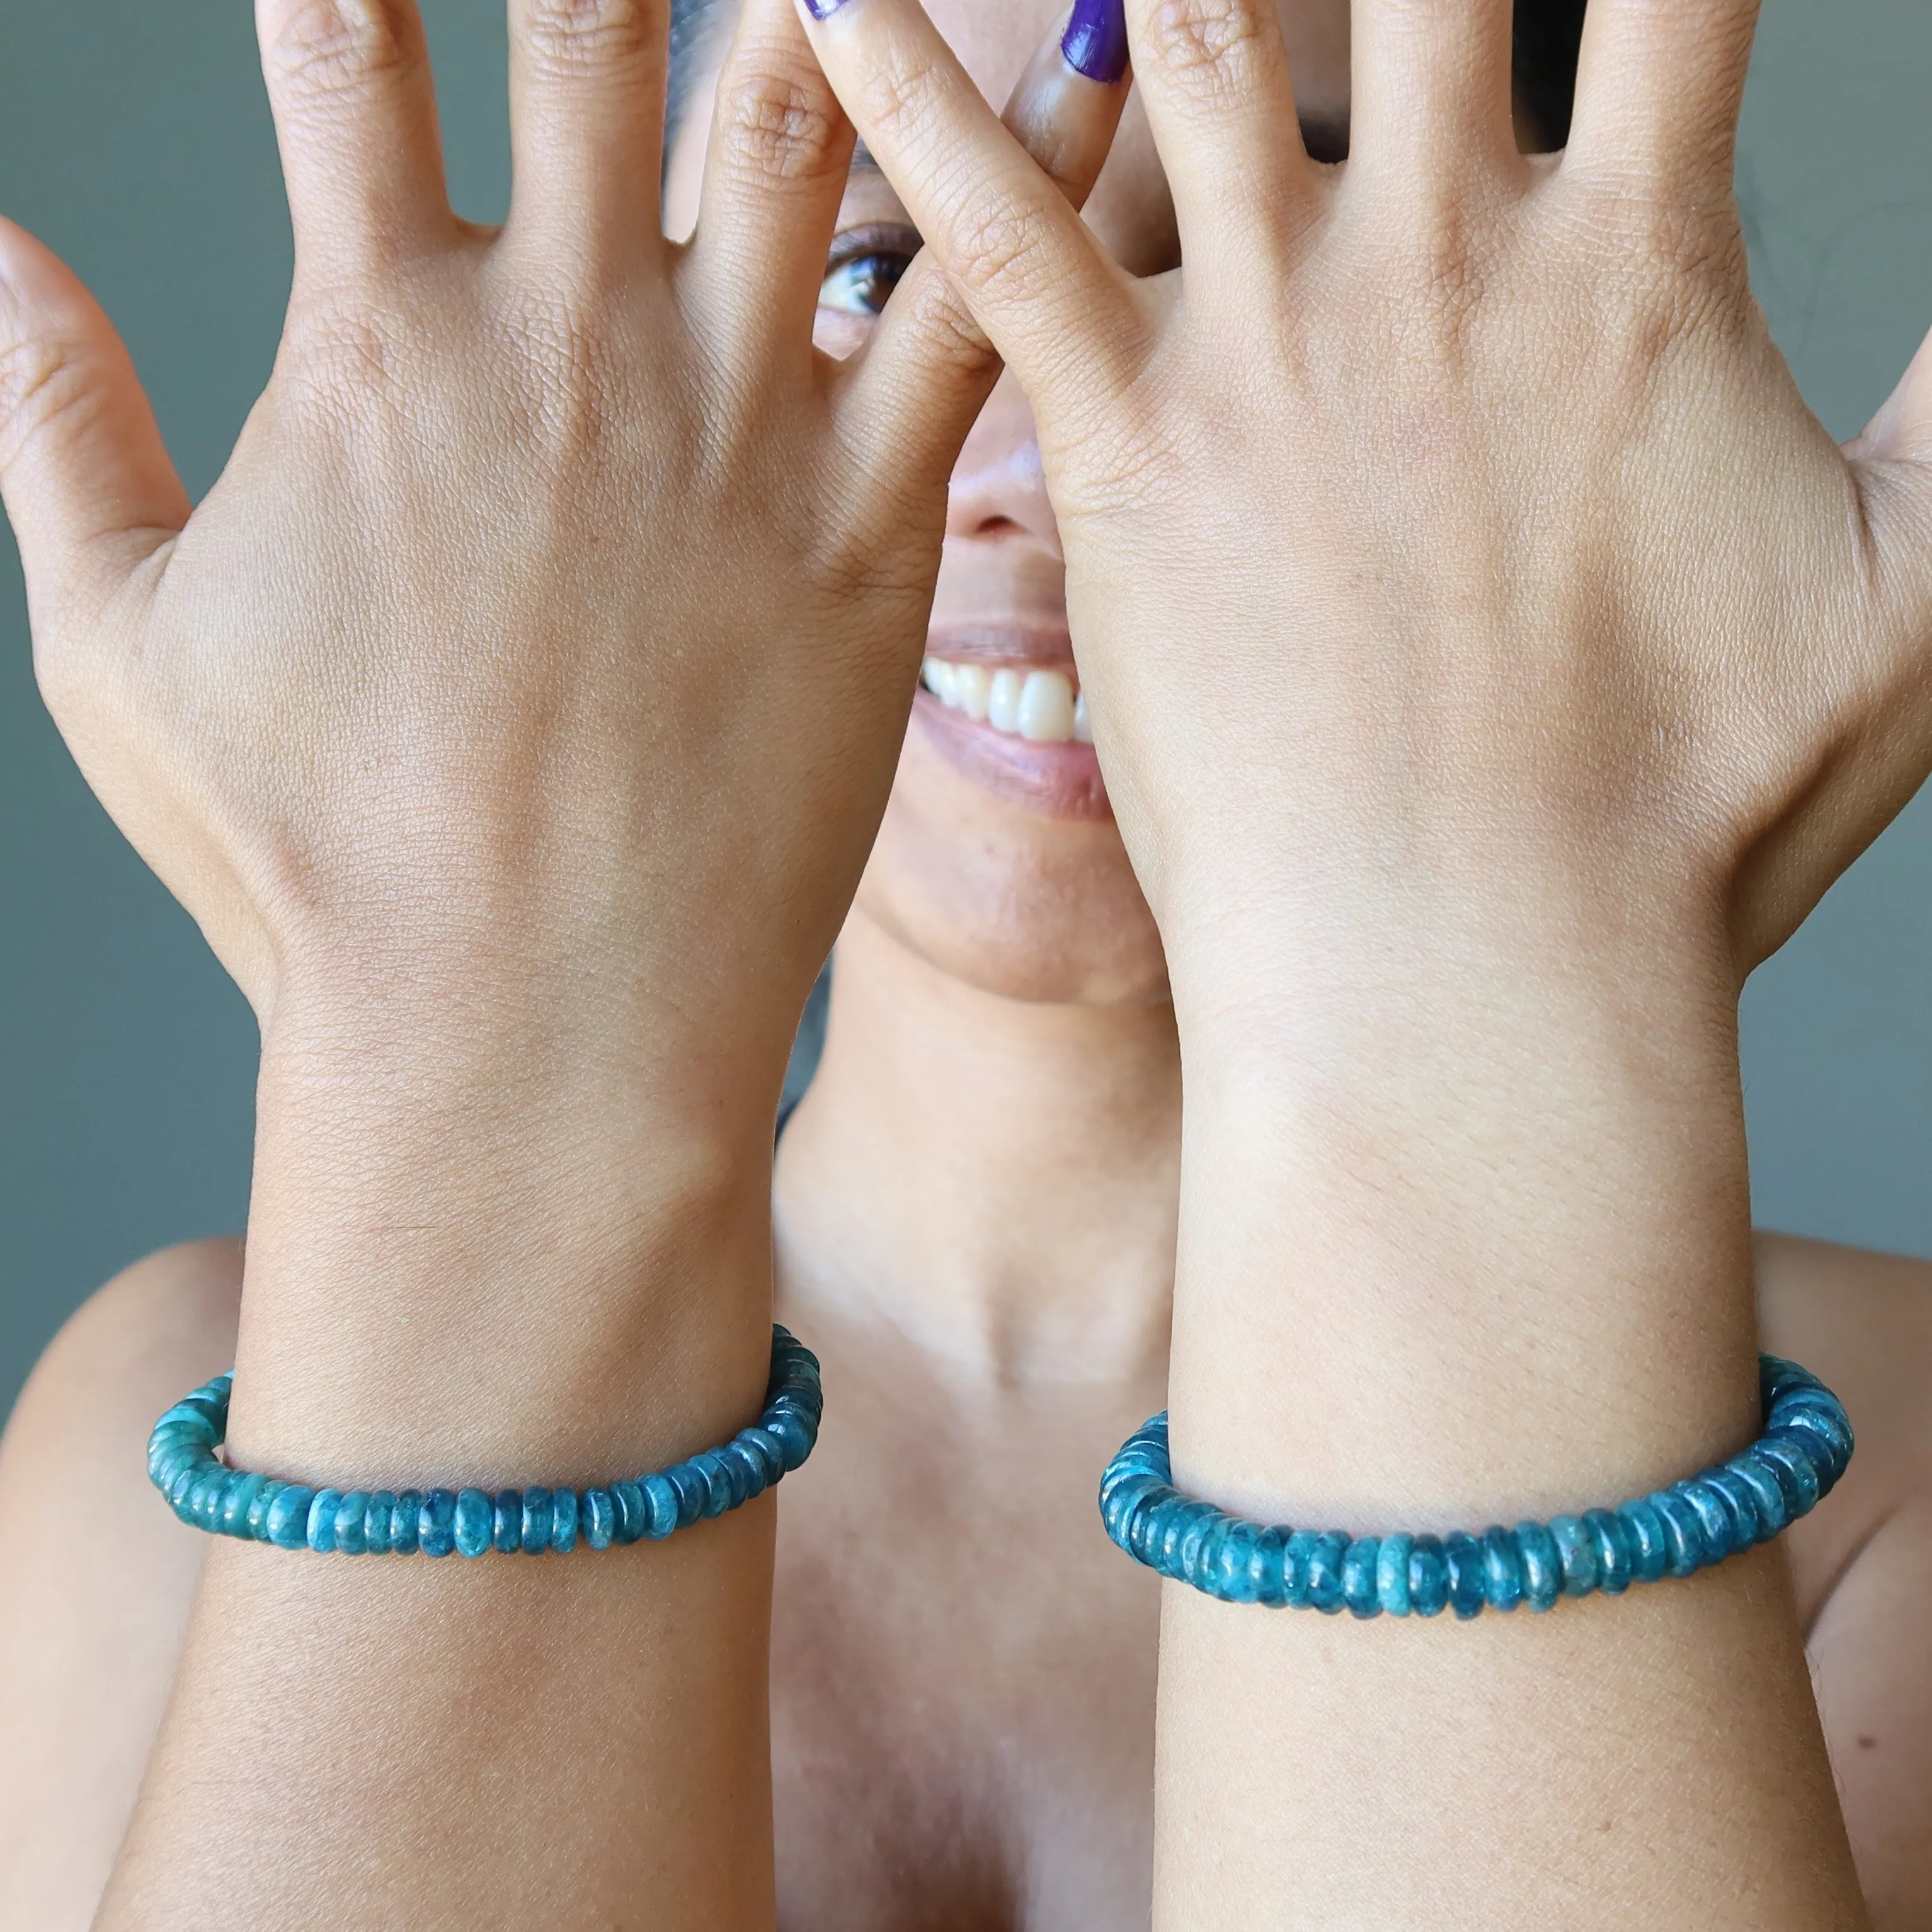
999,249
570,37
45,392
902,97
326,50
774,124
1214,49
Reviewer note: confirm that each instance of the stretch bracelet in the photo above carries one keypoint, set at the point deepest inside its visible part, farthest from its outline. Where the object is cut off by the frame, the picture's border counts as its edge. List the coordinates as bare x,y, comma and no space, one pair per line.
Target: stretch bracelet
1807,1443
205,1493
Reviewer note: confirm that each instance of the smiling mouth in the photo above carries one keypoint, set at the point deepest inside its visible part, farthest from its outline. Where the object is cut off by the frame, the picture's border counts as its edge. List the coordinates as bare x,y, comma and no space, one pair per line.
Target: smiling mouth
1021,729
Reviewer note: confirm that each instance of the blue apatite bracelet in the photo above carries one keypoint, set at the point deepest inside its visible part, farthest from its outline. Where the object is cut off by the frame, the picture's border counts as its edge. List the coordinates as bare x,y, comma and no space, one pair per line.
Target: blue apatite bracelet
205,1493
1807,1443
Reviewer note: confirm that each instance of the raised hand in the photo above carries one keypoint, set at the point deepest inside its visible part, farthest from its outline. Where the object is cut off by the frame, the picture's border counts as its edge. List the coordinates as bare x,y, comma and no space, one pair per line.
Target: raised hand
1492,659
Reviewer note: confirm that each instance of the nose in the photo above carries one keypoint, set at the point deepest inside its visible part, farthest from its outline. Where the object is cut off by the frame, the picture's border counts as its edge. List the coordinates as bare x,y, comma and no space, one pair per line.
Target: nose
999,488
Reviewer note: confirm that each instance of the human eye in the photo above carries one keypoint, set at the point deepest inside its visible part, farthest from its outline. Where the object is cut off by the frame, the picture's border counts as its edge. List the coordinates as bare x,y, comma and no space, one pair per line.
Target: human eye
865,267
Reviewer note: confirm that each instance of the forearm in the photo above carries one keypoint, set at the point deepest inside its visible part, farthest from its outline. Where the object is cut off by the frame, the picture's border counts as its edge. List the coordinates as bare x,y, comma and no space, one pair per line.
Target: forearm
1482,1255
493,1269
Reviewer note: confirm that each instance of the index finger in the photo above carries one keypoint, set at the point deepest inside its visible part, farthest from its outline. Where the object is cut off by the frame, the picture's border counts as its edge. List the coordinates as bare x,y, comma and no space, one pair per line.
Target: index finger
1060,311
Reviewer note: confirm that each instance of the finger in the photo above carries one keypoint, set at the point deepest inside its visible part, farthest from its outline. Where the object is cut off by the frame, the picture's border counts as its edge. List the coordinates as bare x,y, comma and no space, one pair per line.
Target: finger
1659,86
587,81
1214,79
355,109
1031,273
84,478
775,174
919,384
1433,90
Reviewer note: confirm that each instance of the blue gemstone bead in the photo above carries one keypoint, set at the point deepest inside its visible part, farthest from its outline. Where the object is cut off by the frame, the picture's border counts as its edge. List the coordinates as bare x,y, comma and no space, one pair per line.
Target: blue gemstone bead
791,1436
206,1497
1265,1566
1715,1522
770,1451
1577,1549
257,1524
1359,1590
1790,1459
1126,1499
660,1507
627,1505
746,1460
533,1523
719,1490
1616,1556
1502,1569
1774,1512
436,1533
692,1492
599,1518
565,1511
352,1533
288,1516
1298,1554
379,1521
1207,1562
1149,1525
406,1523
1683,1534
240,1499
506,1523
1324,1571
1542,1565
1462,1556
474,1524
179,1489
1428,1577
1190,1553
1233,1577
1741,1501
1650,1551
1392,1574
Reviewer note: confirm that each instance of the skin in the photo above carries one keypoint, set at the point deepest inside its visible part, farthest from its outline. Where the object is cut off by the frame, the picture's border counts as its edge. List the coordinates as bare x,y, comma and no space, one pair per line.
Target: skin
963,1673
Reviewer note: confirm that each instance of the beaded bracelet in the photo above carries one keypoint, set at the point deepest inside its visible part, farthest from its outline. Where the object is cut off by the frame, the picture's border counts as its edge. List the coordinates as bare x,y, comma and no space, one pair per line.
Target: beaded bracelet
205,1493
1675,1532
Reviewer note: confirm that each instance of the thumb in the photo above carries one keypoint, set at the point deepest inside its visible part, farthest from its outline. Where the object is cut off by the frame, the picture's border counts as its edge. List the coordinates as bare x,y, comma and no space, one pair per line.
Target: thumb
83,473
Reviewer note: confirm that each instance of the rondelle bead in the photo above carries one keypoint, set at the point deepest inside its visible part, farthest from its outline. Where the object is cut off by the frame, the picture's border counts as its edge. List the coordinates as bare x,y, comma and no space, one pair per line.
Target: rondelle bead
406,1522
792,1438
660,1507
378,1523
206,1497
693,1492
506,1528
1742,1500
352,1531
1264,1567
627,1505
769,1449
1502,1569
257,1524
1683,1533
1542,1565
1616,1559
1392,1574
1576,1548
1715,1522
287,1524
1359,1590
474,1523
718,1487
1650,1553
1190,1559
1774,1513
1234,1562
744,1459
1789,1458
1428,1577
599,1520
1324,1571
238,1501
1123,1498
1298,1554
533,1532
1462,1559
435,1535
565,1511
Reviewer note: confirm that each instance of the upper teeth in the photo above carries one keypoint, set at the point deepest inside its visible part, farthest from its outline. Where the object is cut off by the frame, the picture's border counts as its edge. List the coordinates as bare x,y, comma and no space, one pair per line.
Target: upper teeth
1038,705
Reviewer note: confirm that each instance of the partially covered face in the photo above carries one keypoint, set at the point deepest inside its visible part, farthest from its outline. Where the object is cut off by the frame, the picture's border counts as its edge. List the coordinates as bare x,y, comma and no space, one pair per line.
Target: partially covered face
999,861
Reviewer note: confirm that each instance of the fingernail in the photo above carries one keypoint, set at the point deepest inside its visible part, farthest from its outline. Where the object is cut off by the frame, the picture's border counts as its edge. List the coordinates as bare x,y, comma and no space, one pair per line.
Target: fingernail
1096,40
824,10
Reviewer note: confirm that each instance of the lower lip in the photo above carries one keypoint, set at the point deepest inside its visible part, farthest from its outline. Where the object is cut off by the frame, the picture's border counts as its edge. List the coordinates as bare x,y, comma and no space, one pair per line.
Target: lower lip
1060,781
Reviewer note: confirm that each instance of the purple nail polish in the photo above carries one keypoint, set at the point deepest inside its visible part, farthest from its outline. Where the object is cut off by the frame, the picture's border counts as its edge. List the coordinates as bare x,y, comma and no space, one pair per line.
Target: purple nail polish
1096,40
824,10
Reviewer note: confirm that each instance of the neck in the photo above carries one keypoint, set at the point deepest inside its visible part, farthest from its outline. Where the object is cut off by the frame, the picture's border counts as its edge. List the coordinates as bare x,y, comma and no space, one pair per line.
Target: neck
996,1179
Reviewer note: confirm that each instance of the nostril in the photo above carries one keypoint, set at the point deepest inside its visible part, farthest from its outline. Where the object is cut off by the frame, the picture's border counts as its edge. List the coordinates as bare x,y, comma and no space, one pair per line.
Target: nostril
998,527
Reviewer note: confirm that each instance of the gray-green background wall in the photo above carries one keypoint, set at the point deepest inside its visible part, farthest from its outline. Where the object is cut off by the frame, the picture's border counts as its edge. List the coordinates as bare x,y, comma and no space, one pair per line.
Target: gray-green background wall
133,139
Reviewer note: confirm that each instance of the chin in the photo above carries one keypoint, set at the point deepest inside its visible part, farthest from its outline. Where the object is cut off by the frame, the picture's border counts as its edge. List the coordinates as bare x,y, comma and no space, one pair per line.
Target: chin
1025,900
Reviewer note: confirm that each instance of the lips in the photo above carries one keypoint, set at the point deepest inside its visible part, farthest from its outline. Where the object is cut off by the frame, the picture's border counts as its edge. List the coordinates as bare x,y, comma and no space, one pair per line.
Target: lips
1002,706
